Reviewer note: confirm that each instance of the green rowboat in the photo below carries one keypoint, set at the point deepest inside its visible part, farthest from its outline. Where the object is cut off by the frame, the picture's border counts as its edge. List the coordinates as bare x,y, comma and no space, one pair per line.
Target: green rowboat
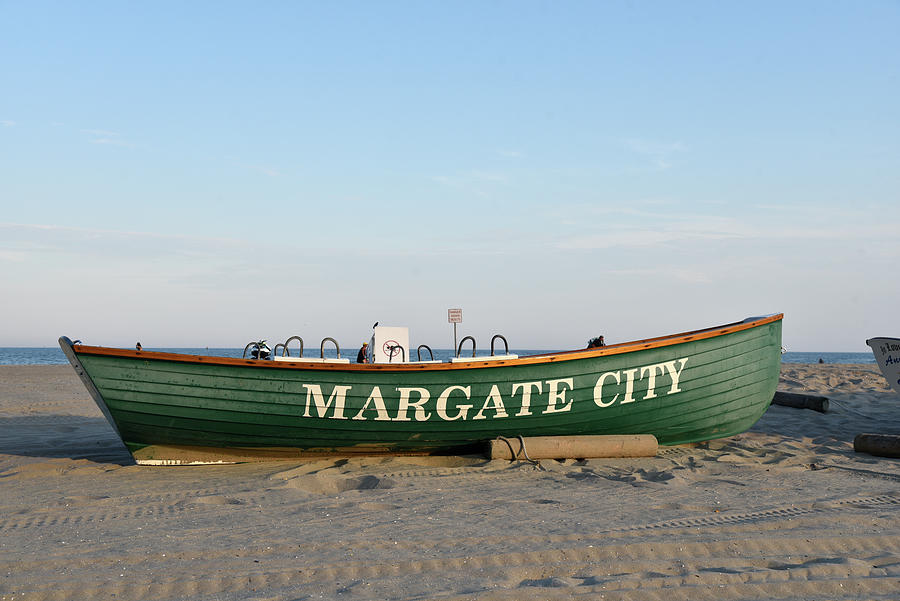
174,408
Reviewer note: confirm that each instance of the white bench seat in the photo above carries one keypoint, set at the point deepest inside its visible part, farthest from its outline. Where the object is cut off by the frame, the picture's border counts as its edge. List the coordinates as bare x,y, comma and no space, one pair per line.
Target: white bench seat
312,360
483,358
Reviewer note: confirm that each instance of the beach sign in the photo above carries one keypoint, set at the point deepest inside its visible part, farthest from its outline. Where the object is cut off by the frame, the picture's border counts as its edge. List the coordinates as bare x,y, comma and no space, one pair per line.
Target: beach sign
887,354
454,316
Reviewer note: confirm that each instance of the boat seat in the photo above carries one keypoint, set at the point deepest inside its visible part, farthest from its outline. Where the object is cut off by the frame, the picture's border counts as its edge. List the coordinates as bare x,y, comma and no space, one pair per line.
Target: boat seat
312,360
483,358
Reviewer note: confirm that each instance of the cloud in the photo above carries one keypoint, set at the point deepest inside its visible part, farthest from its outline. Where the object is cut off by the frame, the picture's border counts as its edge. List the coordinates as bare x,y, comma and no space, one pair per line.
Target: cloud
659,153
270,171
469,177
12,256
109,142
653,147
487,176
100,132
30,237
643,237
105,137
267,170
657,222
682,275
8,123
660,228
577,213
476,182
29,240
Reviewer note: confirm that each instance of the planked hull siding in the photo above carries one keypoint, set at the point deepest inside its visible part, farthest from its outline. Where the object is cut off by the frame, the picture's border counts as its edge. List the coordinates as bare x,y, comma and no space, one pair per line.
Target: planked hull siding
685,388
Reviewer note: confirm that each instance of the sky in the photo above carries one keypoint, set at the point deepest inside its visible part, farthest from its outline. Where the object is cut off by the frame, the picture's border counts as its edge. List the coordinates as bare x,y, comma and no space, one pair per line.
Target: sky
210,173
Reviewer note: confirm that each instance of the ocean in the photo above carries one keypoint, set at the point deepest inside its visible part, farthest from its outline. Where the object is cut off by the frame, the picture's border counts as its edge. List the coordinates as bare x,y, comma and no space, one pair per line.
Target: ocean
54,356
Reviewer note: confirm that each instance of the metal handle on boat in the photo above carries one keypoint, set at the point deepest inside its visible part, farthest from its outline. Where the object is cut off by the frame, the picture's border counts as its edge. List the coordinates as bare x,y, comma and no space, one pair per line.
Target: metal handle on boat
286,352
505,344
322,347
261,348
461,342
275,350
419,351
391,354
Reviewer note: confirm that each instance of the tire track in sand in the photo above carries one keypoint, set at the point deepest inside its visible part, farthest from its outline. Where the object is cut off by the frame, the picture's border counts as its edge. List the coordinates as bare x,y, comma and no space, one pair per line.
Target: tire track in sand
590,564
73,511
758,568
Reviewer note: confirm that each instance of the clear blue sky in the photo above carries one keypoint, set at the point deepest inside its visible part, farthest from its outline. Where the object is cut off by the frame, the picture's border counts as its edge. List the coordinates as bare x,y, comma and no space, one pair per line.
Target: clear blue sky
207,173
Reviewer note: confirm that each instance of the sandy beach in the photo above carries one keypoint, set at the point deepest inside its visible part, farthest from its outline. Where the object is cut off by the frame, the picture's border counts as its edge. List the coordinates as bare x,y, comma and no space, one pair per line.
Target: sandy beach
785,511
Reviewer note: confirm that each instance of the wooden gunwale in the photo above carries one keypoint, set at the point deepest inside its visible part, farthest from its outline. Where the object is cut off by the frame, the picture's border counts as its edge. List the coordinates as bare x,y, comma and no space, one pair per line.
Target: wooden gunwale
614,349
167,394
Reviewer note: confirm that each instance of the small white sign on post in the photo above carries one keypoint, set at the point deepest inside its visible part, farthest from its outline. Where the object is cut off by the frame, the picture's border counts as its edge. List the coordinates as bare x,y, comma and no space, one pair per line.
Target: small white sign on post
454,316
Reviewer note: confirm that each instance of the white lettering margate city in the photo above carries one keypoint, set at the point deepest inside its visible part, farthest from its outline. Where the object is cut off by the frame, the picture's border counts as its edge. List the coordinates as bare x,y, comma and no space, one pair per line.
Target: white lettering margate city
456,403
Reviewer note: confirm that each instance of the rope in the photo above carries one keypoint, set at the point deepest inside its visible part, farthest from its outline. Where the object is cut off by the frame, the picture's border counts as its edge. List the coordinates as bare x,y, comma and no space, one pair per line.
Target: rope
851,409
515,454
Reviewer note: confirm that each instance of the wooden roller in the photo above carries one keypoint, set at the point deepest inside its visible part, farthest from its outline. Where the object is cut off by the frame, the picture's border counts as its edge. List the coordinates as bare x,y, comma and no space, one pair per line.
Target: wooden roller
801,401
573,447
882,445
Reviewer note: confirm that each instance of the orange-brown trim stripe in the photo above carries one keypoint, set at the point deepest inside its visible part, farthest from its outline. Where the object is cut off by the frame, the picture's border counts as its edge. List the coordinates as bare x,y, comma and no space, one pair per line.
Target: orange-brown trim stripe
614,349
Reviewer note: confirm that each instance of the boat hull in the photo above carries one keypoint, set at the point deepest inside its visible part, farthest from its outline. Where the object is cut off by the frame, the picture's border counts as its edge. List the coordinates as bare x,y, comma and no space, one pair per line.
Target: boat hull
682,388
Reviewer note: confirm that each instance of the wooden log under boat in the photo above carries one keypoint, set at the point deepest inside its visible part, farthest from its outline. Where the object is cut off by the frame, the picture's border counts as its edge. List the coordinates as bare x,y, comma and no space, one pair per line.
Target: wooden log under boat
573,447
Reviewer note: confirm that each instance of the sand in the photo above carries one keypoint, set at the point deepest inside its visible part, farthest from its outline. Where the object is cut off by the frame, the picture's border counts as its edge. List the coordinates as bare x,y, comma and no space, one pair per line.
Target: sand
784,511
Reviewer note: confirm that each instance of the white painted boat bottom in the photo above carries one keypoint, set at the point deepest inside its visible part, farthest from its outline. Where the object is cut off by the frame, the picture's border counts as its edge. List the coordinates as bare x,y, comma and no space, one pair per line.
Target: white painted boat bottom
174,462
